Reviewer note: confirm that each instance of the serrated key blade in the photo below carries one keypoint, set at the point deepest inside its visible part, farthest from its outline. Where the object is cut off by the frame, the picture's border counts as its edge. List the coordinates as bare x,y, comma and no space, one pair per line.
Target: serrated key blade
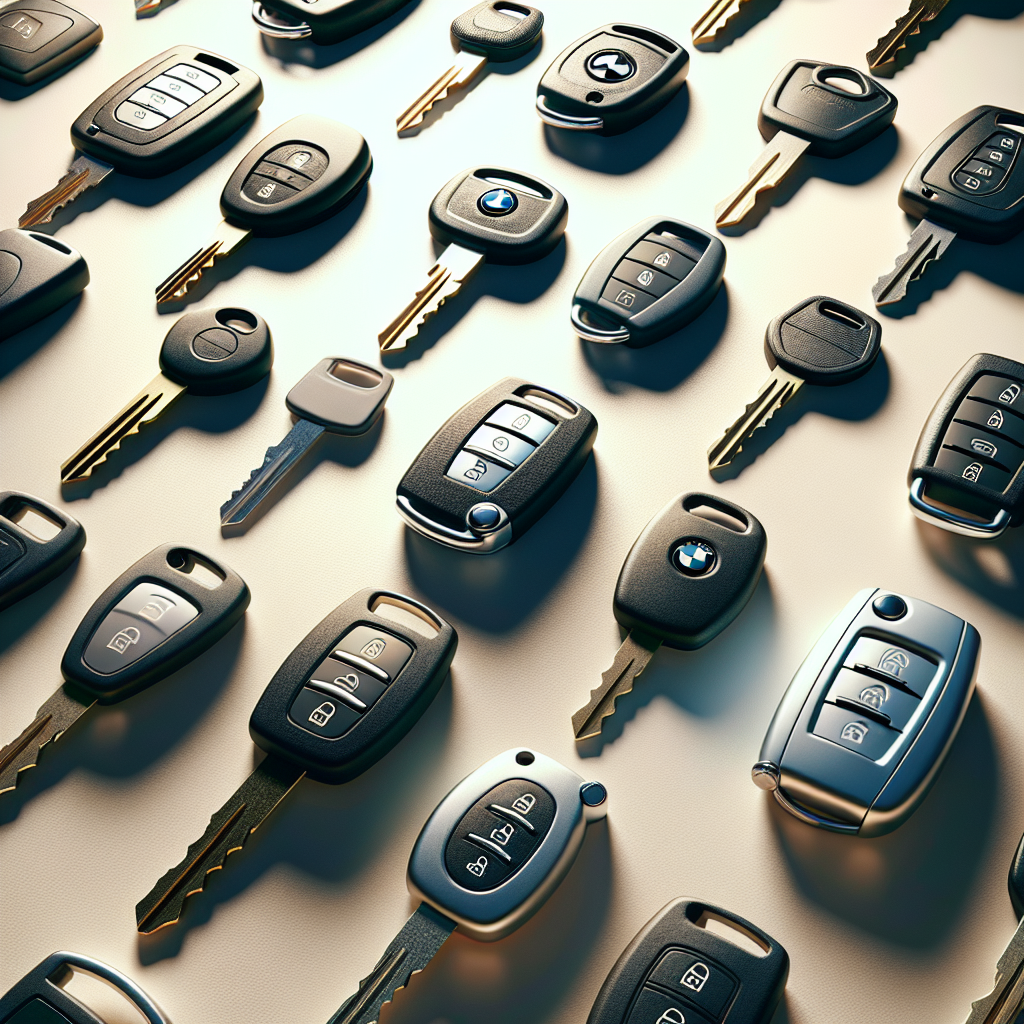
84,172
928,242
456,77
1004,1003
227,239
888,47
707,28
776,160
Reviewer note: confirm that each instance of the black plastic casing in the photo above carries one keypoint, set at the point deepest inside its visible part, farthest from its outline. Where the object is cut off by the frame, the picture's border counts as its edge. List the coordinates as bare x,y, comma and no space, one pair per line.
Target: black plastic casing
184,137
386,722
219,610
25,61
331,21
1015,880
499,37
41,997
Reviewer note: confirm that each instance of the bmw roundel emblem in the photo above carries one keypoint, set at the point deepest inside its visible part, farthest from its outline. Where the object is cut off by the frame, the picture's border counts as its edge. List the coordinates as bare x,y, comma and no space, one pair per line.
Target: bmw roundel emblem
694,557
498,202
611,66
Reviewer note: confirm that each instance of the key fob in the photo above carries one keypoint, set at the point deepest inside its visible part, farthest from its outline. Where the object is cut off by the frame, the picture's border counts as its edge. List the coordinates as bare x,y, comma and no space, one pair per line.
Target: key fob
498,31
496,466
500,842
1015,880
38,274
307,170
969,178
328,21
39,37
870,715
39,998
353,687
966,472
648,283
28,562
611,79
170,110
343,395
156,617
675,971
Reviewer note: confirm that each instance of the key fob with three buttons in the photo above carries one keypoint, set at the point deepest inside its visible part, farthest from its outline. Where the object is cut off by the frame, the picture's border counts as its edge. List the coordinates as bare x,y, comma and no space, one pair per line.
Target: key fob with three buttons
39,37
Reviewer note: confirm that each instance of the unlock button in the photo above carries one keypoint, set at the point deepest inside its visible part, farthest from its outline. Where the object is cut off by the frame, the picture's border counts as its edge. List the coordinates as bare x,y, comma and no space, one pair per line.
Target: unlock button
359,690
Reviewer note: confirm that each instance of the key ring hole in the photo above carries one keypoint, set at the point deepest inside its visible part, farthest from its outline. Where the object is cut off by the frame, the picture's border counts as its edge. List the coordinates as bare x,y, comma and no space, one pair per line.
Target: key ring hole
188,563
356,375
704,506
512,10
524,757
237,320
595,97
840,315
836,79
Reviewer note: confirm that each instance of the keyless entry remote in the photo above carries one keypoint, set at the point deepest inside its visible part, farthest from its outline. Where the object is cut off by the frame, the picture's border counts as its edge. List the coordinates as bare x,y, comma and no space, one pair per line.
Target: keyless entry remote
39,37
496,466
320,21
870,715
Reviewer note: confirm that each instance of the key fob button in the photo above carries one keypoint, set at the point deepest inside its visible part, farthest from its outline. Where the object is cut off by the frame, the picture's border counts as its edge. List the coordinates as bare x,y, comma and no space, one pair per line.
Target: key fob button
321,715
889,606
640,276
305,159
28,31
976,185
993,418
695,977
267,191
474,471
870,691
340,675
656,1007
158,101
1005,454
972,470
891,661
855,732
11,550
529,424
497,443
986,171
175,87
376,646
664,258
202,80
291,178
138,117
626,297
1001,391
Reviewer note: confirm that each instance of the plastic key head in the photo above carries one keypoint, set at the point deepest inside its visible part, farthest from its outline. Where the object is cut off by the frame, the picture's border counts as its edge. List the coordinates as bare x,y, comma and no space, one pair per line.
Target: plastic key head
322,22
342,395
39,37
498,30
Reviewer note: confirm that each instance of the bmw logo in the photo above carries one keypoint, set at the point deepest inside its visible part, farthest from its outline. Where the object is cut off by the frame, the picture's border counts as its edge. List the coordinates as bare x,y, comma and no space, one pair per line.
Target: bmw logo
610,66
694,557
497,202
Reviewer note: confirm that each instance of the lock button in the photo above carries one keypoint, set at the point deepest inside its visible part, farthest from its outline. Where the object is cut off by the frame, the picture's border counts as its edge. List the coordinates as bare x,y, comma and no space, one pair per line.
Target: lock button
336,678
697,978
656,1007
321,715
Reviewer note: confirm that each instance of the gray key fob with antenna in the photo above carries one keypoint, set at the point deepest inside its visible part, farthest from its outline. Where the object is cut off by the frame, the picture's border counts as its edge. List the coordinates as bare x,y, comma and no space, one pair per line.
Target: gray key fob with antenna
40,37
322,22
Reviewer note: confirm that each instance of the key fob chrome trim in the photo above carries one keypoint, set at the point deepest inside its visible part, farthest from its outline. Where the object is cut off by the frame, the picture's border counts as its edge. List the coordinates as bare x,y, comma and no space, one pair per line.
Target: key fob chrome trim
577,123
270,23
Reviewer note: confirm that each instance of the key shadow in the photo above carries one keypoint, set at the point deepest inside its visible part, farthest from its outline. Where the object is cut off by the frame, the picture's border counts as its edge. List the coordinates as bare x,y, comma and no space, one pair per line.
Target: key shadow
749,15
27,342
858,400
14,91
17,619
911,887
497,592
625,153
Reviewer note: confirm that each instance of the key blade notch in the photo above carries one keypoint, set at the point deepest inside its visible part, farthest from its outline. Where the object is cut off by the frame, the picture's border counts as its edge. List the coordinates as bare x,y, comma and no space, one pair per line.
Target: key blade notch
84,172
631,659
714,21
927,243
887,49
774,163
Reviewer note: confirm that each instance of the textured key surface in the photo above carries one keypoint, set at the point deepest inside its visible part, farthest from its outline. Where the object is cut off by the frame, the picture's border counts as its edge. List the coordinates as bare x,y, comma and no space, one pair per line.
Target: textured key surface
39,37
499,30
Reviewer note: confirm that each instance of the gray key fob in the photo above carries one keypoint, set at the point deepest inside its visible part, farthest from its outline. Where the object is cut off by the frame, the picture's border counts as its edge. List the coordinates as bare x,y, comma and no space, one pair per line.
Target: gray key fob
647,283
868,719
342,395
39,37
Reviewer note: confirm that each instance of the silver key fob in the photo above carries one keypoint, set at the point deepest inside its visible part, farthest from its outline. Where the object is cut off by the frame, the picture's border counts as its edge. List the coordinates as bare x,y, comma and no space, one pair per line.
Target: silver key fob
868,719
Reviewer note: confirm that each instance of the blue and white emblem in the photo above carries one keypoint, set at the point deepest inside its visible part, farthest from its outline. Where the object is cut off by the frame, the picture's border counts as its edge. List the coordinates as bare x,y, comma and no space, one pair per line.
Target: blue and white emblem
694,557
498,202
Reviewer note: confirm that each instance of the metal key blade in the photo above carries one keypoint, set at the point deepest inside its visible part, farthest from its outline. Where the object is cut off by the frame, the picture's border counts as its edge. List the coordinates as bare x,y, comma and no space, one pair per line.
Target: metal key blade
226,240
227,832
630,660
410,951
143,408
714,20
766,172
277,463
773,394
892,42
147,8
928,242
1006,1000
456,77
451,271
53,719
84,172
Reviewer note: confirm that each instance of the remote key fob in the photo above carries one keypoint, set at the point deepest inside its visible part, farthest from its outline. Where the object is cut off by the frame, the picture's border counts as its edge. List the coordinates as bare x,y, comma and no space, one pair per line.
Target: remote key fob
39,37
677,972
868,719
496,466
647,283
966,472
320,21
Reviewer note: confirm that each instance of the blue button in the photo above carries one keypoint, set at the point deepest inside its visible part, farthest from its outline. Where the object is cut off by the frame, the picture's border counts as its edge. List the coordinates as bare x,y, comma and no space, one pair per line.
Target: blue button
484,517
497,202
694,557
889,607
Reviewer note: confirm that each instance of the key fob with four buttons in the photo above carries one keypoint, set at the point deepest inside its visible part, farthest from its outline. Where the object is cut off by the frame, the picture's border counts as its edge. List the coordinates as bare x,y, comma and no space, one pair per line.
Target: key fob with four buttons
971,451
39,37
868,719
647,283
611,79
320,21
496,466
676,971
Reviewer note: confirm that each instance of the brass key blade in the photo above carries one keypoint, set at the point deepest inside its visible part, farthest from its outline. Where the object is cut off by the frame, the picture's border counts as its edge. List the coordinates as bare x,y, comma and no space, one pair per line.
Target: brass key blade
1005,1001
886,49
227,239
928,242
766,172
84,172
456,77
143,408
630,660
247,809
714,20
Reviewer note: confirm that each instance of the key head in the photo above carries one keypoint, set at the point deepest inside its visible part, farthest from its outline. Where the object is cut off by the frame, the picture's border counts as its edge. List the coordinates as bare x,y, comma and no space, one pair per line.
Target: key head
675,969
307,170
156,617
611,79
971,177
326,21
39,37
499,843
509,216
687,577
649,282
498,30
805,101
170,110
343,395
354,686
870,715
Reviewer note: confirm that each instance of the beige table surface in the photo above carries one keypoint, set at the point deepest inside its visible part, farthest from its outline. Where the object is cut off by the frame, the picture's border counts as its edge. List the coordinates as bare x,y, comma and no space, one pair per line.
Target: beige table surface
903,929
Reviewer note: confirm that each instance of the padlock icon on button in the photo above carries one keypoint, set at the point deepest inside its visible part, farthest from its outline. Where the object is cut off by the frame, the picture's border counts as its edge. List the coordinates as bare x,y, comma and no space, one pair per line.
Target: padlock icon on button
673,1015
695,977
477,867
322,715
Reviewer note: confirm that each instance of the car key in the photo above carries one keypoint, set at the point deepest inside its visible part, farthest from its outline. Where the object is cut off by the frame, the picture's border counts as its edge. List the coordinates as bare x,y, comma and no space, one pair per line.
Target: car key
965,475
648,283
209,352
490,855
676,971
169,111
155,618
496,466
611,80
330,21
39,998
38,274
343,698
39,37
714,20
29,561
966,183
886,50
819,341
803,112
340,396
870,715
495,30
301,174
685,579
492,213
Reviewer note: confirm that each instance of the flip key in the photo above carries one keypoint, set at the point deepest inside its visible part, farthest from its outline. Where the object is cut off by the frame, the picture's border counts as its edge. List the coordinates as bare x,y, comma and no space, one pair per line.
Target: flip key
39,37
321,21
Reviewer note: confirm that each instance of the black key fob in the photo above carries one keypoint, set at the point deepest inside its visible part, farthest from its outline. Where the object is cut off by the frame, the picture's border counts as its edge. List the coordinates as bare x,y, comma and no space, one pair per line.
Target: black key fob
38,274
1015,880
676,971
496,466
354,686
322,22
28,562
647,283
498,31
966,472
39,37
611,79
